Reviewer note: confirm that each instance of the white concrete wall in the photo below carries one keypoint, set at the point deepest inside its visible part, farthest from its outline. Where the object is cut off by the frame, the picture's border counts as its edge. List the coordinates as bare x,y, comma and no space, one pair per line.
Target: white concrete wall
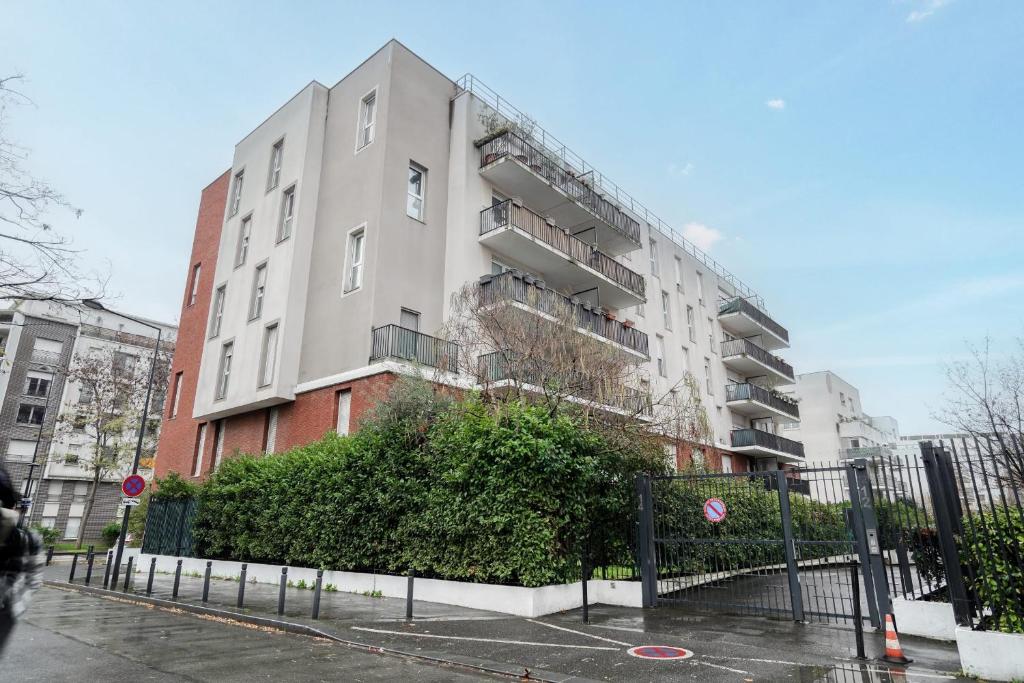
925,619
991,655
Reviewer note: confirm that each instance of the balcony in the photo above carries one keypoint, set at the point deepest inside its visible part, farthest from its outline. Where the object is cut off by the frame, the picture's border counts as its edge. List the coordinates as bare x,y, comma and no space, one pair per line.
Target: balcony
400,343
567,262
757,443
45,357
536,296
743,319
523,169
751,360
531,375
754,401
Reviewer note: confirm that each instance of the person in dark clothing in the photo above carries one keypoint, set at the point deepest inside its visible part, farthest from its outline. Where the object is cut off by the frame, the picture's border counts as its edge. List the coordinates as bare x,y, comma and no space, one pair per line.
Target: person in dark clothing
20,561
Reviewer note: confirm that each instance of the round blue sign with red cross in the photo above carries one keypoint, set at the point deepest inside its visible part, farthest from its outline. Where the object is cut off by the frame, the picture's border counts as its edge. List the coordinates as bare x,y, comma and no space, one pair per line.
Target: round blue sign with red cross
133,485
715,510
663,652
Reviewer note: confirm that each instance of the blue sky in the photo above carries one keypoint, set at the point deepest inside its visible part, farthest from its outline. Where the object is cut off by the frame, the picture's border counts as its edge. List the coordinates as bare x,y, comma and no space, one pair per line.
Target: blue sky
859,164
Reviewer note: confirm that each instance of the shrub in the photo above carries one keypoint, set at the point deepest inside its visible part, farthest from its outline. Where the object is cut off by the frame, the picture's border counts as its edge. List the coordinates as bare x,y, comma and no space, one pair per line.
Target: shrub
174,487
110,533
993,550
48,534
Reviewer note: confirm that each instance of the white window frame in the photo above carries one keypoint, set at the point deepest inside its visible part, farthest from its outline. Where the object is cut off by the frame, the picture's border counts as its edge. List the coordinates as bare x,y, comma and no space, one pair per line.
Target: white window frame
268,353
217,310
712,335
659,348
366,126
193,292
700,288
272,418
176,401
653,244
259,290
411,197
238,181
197,468
227,354
666,310
679,274
691,324
354,271
408,312
276,161
709,383
343,426
286,221
244,238
220,426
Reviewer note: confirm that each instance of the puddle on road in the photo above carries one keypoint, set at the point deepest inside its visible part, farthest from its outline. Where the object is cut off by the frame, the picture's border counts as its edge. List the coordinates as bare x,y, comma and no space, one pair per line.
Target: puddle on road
865,673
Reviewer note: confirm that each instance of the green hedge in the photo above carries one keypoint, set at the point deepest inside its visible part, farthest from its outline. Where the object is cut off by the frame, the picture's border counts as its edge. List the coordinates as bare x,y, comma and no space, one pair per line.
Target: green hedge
992,547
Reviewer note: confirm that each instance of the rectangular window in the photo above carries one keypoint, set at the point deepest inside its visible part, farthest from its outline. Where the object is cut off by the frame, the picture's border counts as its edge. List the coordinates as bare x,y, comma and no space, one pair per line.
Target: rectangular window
679,274
356,247
74,452
244,235
38,384
654,258
217,313
697,456
271,440
276,156
193,288
268,355
686,360
236,192
410,320
726,463
81,490
30,415
660,351
284,223
20,450
55,489
711,335
177,394
367,119
670,456
417,191
72,527
259,291
666,310
197,458
700,288
224,374
47,345
124,363
691,324
344,410
707,376
218,442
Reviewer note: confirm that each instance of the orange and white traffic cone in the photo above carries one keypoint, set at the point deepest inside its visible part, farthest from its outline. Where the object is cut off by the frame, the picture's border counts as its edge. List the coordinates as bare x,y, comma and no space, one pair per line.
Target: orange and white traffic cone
893,651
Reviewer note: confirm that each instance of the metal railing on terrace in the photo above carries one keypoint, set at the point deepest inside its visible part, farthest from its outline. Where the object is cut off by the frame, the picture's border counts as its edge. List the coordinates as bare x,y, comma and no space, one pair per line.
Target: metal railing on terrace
741,305
752,392
745,438
508,213
471,84
394,341
515,286
124,337
740,347
45,357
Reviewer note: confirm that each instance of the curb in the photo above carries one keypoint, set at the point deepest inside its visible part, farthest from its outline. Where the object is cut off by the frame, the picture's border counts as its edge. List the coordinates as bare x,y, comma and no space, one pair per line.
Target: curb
520,673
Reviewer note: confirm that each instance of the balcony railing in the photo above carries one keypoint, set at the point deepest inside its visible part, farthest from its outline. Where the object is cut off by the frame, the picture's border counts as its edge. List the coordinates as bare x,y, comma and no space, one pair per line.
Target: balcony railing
546,166
45,357
499,365
739,347
748,438
741,305
514,286
510,214
393,341
125,337
752,392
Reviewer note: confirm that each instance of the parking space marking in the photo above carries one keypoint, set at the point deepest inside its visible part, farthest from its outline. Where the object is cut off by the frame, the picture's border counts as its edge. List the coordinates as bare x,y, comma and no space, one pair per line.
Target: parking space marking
580,633
482,640
724,668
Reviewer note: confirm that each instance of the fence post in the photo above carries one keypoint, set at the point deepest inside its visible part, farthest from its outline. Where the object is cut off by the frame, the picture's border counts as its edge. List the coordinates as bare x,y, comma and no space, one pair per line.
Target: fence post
942,501
856,519
408,594
106,569
74,564
280,591
796,597
585,578
49,555
152,572
858,619
645,542
128,571
181,525
316,593
241,584
89,558
206,580
177,580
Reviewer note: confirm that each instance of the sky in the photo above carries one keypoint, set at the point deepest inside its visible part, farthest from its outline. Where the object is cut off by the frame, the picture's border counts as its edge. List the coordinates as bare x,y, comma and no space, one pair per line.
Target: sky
858,164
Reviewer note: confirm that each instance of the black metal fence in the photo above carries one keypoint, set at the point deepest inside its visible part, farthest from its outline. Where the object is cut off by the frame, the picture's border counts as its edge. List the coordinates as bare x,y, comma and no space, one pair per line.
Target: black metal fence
169,527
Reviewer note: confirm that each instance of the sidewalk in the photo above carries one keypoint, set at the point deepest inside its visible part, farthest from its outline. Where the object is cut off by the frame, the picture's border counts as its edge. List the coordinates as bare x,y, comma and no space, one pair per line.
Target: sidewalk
561,648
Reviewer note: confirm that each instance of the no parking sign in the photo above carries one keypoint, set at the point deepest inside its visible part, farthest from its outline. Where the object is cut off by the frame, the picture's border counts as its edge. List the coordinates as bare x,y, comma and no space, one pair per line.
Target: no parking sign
715,510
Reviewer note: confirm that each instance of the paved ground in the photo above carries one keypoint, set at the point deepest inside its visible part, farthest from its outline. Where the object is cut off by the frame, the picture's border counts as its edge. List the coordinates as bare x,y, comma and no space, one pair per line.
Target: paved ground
561,648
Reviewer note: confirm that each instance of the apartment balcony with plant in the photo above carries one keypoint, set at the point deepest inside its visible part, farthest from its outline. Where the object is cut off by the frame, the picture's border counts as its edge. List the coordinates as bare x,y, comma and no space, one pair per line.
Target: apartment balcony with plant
755,401
741,318
751,360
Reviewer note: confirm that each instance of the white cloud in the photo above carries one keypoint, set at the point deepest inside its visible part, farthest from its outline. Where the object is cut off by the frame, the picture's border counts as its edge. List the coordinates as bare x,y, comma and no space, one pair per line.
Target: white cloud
776,103
701,235
927,9
675,169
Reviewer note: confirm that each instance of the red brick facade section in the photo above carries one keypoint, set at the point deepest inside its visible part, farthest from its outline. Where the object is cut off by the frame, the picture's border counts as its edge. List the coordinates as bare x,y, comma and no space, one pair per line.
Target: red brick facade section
712,458
176,448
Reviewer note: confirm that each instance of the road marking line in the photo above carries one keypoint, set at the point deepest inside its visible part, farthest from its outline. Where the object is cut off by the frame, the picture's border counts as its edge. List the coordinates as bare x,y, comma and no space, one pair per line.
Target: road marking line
579,633
851,666
725,668
482,640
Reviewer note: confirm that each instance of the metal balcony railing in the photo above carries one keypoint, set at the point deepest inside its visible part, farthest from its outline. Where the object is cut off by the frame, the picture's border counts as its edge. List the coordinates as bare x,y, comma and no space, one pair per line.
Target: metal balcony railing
124,337
741,305
45,357
752,392
746,438
394,341
510,214
550,168
515,286
740,347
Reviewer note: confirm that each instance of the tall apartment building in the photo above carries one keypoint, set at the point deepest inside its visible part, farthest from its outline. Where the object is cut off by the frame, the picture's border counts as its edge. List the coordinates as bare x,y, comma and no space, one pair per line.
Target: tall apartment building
327,255
39,341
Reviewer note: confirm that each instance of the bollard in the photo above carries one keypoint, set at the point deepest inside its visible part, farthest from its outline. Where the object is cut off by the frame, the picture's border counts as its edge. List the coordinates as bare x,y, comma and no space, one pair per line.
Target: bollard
408,595
280,592
128,571
241,585
74,563
177,581
152,571
858,621
585,576
114,574
316,593
206,581
49,555
106,569
89,558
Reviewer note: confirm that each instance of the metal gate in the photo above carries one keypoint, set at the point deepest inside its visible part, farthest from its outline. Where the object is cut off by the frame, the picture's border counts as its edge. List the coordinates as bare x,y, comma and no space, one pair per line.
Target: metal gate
783,543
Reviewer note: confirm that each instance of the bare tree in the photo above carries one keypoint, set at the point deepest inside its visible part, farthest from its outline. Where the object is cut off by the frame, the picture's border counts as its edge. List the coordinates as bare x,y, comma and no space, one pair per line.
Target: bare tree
36,261
112,392
986,402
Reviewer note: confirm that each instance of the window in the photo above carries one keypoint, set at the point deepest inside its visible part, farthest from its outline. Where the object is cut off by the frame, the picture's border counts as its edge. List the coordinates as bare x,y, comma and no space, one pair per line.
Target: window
81,489
86,394
55,489
124,363
271,440
224,374
417,191
697,456
660,351
74,452
691,324
236,192
51,509
72,527
268,355
679,274
259,290
666,310
410,320
344,410
79,422
654,258
670,456
177,394
244,235
49,522
726,463
356,247
700,288
497,268
193,289
711,335
46,350
20,450
842,398
686,360
197,458
30,415
218,442
38,384
217,315
367,119
276,156
707,376
284,223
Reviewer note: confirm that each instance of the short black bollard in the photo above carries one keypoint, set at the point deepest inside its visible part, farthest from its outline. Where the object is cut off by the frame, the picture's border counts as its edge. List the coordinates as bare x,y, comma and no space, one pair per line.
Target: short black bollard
177,580
280,592
206,580
585,576
128,571
90,557
49,555
106,569
858,621
74,564
241,585
152,572
408,595
316,593
114,575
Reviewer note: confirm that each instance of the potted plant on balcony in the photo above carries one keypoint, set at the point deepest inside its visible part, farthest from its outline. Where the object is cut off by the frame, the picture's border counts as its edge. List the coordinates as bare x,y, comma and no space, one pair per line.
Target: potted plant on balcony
628,324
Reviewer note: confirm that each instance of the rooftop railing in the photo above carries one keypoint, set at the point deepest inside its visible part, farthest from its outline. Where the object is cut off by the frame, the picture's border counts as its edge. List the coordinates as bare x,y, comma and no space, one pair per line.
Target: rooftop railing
124,337
510,214
740,347
752,392
747,438
741,305
394,341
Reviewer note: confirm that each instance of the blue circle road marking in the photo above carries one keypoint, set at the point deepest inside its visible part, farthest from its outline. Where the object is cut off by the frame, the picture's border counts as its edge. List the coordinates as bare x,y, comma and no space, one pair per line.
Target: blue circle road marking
133,485
714,509
662,652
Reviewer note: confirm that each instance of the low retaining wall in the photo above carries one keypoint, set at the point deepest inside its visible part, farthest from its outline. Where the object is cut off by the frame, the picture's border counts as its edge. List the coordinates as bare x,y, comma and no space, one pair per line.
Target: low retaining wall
991,655
516,600
926,619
